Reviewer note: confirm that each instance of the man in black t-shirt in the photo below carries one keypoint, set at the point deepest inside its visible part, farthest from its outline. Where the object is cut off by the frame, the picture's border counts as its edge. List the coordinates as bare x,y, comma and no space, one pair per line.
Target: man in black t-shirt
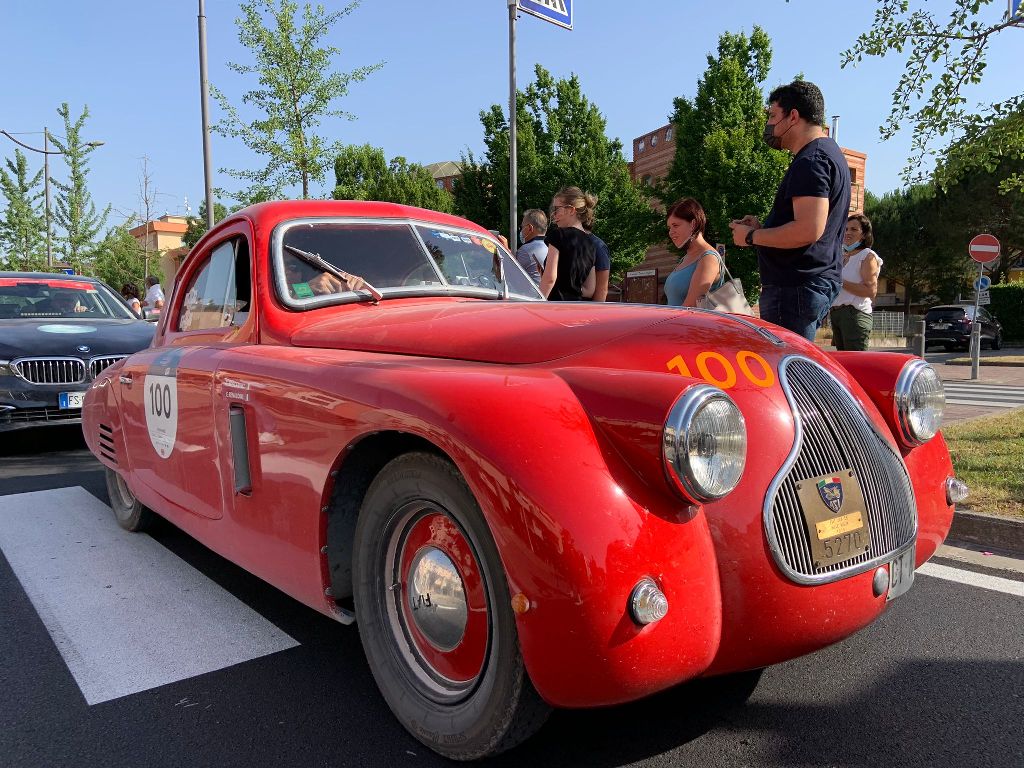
800,244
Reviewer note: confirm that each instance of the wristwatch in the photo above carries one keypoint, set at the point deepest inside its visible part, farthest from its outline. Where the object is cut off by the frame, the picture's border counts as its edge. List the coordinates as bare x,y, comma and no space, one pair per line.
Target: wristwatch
749,239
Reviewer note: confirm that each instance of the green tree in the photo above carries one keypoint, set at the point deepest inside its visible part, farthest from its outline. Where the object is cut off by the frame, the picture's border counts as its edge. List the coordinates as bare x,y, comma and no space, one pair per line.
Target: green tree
943,58
914,249
197,224
721,159
120,259
363,173
296,92
75,210
561,141
23,227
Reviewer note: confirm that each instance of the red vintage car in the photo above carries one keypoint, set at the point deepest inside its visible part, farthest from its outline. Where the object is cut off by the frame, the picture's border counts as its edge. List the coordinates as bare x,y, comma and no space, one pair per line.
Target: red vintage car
524,504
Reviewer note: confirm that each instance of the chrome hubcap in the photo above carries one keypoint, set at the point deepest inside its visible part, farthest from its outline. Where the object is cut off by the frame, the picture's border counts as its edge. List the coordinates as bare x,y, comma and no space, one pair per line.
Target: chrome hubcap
437,599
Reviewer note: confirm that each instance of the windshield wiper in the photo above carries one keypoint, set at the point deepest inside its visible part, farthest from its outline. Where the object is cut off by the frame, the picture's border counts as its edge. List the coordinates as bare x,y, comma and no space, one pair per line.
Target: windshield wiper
314,259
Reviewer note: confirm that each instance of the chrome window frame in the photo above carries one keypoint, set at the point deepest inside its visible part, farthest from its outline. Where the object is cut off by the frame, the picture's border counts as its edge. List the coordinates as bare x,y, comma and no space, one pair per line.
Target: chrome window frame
441,288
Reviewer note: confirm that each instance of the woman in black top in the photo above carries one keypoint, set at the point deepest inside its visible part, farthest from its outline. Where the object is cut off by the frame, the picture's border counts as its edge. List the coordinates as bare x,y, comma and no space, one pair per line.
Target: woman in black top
571,250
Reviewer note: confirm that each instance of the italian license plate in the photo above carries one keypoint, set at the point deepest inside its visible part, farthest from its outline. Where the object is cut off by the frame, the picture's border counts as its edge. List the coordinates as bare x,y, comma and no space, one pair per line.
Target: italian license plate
836,517
71,399
940,326
901,574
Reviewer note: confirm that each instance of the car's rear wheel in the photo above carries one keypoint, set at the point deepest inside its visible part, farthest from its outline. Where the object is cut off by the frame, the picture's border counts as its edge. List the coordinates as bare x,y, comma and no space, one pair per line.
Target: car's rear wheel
435,613
129,512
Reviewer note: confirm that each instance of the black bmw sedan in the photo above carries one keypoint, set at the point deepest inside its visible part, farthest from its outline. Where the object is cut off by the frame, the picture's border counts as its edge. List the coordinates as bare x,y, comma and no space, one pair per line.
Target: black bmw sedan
57,332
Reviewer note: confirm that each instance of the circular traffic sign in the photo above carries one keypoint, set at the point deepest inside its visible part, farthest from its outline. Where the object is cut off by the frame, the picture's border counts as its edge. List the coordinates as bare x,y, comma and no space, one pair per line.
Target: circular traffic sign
984,248
983,283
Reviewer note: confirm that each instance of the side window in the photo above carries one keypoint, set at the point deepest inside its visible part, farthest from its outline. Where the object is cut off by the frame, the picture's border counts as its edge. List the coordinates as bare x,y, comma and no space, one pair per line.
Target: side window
218,294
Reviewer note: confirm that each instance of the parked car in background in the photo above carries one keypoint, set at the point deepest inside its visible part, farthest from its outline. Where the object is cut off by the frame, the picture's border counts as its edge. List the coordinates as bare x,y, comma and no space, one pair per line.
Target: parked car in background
524,503
57,333
950,325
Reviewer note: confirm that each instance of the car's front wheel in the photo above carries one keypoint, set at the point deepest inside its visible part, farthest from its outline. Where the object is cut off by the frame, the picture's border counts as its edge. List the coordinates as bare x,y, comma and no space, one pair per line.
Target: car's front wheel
997,340
129,512
435,615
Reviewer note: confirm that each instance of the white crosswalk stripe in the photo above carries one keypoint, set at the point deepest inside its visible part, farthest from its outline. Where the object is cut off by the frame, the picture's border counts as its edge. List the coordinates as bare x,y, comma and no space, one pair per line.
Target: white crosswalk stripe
984,395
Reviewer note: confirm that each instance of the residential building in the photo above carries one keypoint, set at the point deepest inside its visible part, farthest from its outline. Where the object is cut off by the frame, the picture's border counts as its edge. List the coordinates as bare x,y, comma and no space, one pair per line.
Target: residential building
444,173
164,236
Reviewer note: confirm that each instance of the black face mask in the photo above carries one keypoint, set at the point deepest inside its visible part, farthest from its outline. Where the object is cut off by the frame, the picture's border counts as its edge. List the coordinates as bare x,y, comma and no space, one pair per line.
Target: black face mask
773,141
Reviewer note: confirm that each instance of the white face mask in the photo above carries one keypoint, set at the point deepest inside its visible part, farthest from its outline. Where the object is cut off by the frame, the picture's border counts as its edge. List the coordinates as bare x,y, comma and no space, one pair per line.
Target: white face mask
522,237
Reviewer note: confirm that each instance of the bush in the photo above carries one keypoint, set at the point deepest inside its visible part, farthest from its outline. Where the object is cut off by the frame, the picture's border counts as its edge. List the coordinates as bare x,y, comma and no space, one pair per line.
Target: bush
1008,305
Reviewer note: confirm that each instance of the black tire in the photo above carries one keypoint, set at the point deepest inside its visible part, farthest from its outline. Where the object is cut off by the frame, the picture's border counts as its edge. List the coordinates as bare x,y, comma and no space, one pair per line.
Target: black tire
453,675
997,340
128,511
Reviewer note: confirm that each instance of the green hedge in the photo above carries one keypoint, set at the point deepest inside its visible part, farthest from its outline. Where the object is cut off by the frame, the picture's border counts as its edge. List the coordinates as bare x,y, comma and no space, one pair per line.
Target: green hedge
1008,305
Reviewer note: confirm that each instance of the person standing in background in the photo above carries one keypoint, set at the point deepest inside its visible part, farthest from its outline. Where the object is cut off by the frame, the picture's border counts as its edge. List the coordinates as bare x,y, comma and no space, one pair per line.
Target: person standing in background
130,293
154,295
571,250
602,267
799,246
851,311
533,251
700,270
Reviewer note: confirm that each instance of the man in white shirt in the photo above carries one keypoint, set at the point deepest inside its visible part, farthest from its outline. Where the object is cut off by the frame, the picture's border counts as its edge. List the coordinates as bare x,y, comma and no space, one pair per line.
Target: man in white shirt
154,295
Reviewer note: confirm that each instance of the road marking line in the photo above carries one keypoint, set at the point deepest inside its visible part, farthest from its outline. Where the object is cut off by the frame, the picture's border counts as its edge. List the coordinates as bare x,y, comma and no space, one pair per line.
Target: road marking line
971,578
126,614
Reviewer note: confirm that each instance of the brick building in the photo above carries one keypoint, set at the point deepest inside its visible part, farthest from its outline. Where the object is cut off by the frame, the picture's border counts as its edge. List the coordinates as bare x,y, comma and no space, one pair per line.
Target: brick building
444,173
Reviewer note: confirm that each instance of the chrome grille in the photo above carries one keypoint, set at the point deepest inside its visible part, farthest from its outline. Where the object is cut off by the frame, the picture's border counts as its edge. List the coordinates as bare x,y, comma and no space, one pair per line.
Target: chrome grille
50,370
98,364
834,434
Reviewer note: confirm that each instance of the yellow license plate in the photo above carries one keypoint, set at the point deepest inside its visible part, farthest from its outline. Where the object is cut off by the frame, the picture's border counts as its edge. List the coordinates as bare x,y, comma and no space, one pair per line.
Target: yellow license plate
826,529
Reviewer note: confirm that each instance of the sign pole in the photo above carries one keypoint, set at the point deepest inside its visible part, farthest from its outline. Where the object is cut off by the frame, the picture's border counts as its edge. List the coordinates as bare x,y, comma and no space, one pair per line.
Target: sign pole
513,170
976,327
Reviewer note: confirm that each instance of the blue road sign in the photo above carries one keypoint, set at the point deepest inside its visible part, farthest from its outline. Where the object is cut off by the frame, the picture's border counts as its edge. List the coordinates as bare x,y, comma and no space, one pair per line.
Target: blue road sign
556,11
983,283
68,271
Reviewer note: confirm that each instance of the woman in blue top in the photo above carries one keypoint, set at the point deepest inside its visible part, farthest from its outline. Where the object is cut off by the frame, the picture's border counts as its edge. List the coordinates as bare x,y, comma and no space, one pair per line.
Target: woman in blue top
700,269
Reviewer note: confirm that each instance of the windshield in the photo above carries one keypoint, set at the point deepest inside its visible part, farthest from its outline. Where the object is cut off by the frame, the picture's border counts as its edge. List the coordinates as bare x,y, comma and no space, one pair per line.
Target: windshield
396,258
40,298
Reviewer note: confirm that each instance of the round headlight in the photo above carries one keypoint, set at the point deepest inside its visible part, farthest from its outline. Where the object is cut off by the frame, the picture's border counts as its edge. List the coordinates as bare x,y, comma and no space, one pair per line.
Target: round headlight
919,402
704,444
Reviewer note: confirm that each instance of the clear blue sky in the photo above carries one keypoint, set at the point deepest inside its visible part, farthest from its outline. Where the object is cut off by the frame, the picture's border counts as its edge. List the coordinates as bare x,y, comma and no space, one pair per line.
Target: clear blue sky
135,64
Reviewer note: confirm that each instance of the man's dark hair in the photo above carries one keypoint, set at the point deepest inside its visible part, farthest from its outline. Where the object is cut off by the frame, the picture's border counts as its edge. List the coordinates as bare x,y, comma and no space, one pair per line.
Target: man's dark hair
803,96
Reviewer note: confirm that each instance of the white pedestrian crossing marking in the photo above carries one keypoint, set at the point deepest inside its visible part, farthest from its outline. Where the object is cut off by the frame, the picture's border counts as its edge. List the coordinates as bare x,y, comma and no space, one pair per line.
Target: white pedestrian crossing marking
983,395
125,613
972,578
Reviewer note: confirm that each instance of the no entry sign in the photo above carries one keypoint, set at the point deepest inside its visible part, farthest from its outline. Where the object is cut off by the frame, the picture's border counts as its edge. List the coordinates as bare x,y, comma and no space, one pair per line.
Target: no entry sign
984,249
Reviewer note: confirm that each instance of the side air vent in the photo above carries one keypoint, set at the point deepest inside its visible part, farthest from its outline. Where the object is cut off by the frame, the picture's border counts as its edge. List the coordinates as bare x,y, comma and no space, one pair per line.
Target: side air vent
106,444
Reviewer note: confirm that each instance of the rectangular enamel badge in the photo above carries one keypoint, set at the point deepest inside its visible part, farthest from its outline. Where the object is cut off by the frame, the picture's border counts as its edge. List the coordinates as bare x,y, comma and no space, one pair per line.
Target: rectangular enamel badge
834,509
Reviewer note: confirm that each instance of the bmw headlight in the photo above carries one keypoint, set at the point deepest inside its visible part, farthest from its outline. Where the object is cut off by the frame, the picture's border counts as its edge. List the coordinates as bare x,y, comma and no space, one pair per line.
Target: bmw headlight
6,369
919,402
704,444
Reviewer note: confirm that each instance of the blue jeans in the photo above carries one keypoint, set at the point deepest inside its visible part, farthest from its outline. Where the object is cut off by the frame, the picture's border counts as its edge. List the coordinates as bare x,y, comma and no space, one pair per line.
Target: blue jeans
799,308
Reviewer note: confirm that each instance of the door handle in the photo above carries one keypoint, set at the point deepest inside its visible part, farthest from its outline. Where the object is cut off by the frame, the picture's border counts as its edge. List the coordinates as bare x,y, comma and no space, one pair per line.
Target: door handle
126,379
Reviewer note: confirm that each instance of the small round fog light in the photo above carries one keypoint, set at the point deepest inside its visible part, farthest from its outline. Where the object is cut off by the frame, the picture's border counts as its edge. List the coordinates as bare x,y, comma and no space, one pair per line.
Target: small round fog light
956,490
647,603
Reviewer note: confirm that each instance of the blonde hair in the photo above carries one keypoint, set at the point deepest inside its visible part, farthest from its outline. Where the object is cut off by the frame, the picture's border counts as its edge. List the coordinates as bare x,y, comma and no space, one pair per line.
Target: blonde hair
583,202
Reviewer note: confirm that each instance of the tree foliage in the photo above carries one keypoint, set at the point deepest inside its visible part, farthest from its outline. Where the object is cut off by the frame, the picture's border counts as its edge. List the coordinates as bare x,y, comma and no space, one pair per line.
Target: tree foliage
363,173
75,210
23,227
943,58
296,92
197,224
721,159
561,141
120,259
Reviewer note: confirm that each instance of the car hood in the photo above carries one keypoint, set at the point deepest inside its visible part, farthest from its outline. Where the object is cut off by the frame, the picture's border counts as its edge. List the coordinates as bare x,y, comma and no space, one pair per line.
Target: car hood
62,338
509,333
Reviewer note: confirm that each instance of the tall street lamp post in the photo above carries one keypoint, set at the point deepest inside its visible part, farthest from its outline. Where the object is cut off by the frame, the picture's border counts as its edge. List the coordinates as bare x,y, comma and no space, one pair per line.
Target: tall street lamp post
46,152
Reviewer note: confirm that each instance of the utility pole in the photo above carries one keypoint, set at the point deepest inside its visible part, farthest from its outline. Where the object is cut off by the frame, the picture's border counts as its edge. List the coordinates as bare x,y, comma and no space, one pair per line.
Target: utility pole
204,95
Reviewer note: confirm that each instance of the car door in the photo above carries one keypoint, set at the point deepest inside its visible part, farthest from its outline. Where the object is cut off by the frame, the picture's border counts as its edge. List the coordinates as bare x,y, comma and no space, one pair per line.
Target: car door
210,315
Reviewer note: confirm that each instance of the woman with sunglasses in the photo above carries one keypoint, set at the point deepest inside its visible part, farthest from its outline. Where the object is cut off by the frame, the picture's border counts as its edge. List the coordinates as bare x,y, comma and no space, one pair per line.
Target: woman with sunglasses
569,266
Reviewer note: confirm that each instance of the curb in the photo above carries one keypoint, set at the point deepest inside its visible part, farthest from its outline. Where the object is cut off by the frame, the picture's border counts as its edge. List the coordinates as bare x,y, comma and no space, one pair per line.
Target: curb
988,530
1013,364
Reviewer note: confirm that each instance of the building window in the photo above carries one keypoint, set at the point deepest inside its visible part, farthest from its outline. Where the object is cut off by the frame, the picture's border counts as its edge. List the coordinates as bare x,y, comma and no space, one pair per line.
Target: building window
440,183
668,133
654,140
646,179
641,146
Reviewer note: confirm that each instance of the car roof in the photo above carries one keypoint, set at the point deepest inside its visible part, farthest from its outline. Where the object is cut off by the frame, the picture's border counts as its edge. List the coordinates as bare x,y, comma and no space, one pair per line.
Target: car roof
48,276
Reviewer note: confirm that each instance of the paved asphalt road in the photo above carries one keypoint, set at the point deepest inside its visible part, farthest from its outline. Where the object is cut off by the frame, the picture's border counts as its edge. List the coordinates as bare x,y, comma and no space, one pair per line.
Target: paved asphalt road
938,680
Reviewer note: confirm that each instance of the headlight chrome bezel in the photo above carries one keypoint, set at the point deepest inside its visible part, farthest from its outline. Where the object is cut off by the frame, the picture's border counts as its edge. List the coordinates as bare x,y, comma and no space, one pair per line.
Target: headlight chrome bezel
676,434
903,397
